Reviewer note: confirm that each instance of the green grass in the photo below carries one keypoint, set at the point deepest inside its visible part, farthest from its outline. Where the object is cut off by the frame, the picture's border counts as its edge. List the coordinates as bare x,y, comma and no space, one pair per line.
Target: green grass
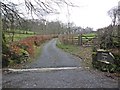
83,52
18,34
17,37
90,35
17,31
38,51
86,37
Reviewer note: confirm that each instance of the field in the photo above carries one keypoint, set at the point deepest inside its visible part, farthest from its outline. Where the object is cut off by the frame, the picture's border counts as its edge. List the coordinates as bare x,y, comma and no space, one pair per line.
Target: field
18,35
90,34
79,39
86,37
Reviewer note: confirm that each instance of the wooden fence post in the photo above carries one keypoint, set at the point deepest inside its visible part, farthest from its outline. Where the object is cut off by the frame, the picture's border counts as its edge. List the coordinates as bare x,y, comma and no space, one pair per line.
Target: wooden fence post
80,39
72,40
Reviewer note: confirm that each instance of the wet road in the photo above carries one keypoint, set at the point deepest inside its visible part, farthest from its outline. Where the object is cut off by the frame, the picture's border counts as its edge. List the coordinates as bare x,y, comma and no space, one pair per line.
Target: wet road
57,69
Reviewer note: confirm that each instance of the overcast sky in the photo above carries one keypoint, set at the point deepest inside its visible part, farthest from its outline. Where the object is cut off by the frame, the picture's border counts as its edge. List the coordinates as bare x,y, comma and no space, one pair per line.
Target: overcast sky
92,13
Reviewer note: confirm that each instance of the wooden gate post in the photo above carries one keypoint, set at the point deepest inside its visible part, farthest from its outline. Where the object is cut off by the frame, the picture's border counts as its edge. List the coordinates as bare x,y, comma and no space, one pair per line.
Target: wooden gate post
72,40
80,39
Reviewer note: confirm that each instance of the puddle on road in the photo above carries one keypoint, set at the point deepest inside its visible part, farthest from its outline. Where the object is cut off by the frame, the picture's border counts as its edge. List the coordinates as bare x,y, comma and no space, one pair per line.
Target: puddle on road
44,69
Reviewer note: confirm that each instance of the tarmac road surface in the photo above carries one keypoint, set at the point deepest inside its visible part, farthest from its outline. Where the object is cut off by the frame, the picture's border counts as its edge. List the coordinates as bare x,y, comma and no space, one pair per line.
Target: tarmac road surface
56,69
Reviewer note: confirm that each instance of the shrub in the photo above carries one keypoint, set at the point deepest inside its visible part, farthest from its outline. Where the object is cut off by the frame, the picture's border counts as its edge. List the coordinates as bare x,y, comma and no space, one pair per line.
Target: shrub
19,52
117,62
5,54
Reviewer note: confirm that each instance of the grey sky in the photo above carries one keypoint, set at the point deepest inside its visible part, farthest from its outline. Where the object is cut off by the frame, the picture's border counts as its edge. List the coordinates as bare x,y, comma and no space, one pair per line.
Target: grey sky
91,13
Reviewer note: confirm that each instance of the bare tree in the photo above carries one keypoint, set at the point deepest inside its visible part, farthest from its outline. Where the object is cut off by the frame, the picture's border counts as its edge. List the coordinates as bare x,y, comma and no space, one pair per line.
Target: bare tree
13,17
113,13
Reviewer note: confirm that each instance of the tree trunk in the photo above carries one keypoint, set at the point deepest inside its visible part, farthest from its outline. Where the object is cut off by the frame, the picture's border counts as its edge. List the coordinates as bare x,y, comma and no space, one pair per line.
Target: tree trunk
13,33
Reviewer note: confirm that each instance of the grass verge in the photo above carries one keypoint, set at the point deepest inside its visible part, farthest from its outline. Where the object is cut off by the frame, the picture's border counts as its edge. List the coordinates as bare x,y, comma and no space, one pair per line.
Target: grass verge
38,51
85,53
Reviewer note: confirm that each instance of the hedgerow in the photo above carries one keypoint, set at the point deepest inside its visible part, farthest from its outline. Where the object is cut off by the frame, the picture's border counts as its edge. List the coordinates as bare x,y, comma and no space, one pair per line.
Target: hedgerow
21,51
